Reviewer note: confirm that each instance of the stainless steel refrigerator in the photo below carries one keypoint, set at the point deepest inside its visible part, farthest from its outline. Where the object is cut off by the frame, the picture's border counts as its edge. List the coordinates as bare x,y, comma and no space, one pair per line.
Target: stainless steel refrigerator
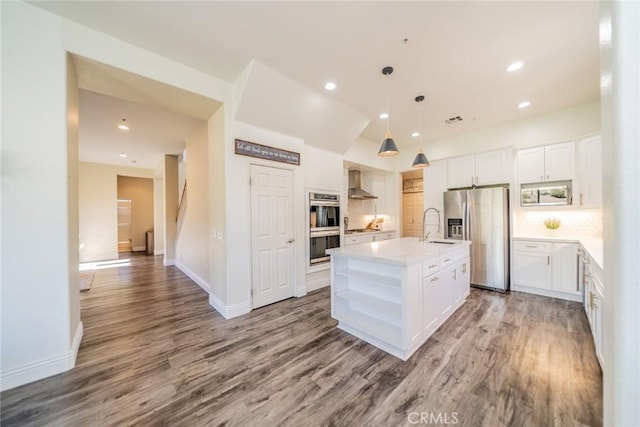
482,216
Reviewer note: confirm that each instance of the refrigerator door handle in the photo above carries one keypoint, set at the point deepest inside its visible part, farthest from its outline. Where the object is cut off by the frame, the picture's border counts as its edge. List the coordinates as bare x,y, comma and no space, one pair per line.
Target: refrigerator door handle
465,222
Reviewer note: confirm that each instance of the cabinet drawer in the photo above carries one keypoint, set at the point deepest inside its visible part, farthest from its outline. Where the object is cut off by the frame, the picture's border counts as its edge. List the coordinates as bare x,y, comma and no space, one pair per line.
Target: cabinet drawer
430,266
521,245
446,259
351,240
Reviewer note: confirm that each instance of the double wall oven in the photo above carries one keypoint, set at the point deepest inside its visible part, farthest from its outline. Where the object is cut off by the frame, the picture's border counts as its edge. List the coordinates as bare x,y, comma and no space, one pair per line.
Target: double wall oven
324,226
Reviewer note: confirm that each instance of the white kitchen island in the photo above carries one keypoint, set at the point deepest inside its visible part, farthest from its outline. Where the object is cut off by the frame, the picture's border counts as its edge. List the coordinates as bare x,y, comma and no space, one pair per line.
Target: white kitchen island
395,293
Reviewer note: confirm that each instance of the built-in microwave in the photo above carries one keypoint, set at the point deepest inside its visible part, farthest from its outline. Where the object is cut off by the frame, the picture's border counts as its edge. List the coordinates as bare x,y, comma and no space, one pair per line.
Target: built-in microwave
546,194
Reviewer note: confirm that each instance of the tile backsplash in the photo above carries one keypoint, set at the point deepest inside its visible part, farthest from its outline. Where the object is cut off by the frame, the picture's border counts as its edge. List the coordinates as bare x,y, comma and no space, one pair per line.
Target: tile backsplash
360,217
574,223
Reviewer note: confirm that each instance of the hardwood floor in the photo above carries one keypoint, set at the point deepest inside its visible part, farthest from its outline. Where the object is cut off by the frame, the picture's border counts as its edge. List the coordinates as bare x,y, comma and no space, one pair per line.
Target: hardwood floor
155,353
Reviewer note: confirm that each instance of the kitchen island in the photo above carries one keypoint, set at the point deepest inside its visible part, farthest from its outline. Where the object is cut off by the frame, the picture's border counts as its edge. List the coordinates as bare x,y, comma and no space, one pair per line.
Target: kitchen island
395,293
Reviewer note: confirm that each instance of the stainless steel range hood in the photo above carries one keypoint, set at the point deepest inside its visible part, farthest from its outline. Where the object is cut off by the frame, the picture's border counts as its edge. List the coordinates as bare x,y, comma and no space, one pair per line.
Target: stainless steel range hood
355,188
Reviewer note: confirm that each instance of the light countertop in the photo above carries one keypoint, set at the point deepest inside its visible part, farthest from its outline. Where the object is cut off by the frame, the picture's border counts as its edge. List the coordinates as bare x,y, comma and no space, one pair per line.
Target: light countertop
593,245
358,233
398,251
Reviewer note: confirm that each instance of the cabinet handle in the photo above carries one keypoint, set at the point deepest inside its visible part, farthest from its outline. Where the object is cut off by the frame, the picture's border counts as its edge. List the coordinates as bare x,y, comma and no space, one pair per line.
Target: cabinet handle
455,274
447,260
433,265
541,177
435,279
530,246
464,267
581,199
548,260
547,176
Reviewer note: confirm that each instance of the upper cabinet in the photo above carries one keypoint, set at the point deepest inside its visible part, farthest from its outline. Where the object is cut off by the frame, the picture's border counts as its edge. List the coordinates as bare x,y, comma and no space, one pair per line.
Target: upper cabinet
374,184
549,163
590,151
490,168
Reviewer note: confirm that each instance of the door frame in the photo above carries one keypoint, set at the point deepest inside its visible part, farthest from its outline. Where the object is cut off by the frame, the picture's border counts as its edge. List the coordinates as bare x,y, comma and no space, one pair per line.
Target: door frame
299,285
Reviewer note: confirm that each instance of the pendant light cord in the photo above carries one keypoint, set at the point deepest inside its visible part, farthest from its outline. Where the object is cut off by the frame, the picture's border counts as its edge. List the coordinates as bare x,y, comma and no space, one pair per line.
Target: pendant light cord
388,96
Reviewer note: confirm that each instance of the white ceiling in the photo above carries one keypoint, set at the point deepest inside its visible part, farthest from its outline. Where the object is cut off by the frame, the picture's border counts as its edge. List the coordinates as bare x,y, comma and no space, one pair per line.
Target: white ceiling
456,52
152,132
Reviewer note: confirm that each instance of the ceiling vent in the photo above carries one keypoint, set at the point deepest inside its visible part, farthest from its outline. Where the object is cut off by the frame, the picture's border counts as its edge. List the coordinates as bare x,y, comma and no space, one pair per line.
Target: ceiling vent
453,120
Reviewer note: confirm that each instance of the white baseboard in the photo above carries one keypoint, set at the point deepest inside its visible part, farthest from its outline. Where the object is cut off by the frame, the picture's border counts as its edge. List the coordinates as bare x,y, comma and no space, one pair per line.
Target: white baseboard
158,252
34,371
547,293
193,276
301,291
313,285
168,262
230,311
139,248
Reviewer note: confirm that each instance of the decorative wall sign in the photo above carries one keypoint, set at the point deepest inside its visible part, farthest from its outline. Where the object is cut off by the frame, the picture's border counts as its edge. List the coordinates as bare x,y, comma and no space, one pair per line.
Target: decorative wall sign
412,185
246,148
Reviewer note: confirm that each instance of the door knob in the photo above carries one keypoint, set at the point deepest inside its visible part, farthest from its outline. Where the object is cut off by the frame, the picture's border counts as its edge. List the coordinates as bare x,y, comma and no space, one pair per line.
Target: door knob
291,240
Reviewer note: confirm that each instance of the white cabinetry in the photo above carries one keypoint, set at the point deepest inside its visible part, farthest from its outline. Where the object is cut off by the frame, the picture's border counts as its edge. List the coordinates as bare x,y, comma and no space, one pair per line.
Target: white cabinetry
374,184
549,163
435,184
368,237
546,268
489,168
532,264
564,271
590,150
397,306
593,299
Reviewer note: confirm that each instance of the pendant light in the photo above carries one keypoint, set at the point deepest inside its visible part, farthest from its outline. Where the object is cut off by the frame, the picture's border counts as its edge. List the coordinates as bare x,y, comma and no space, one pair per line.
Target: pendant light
388,147
421,160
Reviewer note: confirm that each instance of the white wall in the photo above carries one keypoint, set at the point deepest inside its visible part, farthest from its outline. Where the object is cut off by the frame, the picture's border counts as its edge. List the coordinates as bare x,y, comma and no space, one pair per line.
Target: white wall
98,208
170,197
238,207
192,241
158,210
620,88
38,312
217,207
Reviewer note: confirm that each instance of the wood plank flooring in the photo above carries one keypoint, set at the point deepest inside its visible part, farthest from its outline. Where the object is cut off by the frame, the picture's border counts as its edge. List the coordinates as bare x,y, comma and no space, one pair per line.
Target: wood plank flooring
155,353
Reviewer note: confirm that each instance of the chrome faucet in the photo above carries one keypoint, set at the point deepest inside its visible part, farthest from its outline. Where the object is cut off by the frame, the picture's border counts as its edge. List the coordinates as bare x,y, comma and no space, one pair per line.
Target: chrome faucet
424,236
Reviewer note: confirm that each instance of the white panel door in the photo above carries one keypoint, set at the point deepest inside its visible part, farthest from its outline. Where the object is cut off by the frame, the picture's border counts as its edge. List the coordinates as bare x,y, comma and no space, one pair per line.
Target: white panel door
272,251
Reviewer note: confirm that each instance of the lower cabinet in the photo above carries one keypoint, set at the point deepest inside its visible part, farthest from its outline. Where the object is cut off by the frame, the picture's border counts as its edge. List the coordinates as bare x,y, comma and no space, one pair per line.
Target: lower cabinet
547,268
593,299
444,292
368,237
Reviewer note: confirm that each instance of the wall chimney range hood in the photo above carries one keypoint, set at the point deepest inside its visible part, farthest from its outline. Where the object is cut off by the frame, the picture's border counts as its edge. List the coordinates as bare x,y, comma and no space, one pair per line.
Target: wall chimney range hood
355,188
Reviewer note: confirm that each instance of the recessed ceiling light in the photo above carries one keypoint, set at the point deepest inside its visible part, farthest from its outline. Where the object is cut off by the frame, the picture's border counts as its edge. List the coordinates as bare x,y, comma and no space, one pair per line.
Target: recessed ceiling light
123,154
415,134
383,115
330,86
123,125
515,66
524,104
